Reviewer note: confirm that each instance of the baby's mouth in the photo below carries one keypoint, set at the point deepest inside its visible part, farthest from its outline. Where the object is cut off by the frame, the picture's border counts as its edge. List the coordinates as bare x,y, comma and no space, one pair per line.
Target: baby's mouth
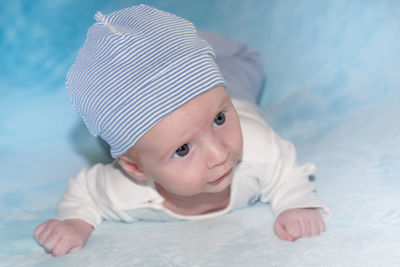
221,178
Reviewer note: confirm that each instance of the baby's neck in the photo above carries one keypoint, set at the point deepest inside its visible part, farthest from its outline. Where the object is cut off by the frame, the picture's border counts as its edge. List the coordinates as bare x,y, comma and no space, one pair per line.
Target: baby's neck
195,205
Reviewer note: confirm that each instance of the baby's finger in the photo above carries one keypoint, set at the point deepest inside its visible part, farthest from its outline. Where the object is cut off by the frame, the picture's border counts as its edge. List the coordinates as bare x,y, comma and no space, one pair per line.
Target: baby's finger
294,229
44,234
38,230
52,240
315,228
305,228
64,246
281,232
42,231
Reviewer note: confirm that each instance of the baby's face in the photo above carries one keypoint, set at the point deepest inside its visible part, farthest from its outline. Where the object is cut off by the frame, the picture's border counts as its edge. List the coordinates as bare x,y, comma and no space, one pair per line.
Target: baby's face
194,149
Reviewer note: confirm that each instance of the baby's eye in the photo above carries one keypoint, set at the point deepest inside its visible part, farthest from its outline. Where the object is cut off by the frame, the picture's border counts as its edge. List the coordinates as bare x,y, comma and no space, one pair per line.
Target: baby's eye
182,151
219,119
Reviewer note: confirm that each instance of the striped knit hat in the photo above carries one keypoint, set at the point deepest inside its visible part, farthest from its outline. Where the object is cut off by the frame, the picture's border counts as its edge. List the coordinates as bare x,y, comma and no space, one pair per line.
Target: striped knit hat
137,66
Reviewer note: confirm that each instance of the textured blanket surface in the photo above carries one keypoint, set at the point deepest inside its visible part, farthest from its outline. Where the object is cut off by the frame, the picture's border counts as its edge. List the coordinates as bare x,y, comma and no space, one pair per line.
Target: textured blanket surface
332,87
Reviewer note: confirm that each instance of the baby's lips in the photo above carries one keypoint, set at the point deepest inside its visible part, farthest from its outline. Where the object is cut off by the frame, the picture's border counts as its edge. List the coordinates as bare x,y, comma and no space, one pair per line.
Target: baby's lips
221,177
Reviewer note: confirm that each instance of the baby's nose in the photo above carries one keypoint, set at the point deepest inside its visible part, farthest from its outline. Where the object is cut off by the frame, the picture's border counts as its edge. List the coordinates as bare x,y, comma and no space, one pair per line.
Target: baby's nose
217,154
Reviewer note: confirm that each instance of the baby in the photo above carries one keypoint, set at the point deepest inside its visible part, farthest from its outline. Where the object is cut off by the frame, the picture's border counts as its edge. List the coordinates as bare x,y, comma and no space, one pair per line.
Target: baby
148,84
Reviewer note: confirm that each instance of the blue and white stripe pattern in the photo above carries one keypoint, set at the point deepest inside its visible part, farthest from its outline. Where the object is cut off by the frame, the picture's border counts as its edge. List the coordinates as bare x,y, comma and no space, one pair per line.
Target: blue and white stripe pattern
137,66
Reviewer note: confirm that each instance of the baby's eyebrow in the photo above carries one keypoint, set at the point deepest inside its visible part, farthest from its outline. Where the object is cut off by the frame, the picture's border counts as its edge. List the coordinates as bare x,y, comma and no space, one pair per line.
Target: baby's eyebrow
167,152
174,146
170,149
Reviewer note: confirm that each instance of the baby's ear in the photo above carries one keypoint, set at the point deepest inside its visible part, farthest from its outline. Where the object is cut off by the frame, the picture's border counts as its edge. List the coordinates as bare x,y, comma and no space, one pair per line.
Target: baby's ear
131,168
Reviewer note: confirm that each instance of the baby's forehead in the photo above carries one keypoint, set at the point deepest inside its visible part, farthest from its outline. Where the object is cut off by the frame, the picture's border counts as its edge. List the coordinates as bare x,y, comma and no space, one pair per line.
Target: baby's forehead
186,121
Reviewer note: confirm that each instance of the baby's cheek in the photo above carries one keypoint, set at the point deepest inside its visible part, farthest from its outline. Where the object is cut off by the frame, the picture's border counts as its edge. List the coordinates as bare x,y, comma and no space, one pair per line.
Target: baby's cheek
191,179
237,142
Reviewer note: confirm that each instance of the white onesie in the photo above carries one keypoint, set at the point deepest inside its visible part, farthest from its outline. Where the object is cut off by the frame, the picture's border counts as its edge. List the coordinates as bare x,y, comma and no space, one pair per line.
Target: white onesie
268,172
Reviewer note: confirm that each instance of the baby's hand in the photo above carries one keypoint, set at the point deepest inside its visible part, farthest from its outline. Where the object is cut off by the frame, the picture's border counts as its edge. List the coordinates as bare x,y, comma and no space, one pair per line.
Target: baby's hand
295,223
61,237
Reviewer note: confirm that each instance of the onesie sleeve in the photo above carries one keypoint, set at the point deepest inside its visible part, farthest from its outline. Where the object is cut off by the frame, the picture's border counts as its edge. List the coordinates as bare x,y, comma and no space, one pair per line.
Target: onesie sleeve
101,192
286,183
283,181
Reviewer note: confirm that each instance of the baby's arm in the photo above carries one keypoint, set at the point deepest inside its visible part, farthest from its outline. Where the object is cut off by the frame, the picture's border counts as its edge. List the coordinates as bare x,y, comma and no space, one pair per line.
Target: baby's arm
69,232
87,200
293,197
62,237
286,186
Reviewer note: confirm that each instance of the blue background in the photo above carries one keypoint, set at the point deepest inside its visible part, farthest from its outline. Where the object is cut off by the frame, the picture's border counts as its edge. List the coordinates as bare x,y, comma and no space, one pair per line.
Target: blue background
332,87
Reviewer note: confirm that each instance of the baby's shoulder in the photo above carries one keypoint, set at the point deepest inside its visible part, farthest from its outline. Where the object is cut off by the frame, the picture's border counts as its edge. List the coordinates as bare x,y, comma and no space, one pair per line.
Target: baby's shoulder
122,190
258,137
